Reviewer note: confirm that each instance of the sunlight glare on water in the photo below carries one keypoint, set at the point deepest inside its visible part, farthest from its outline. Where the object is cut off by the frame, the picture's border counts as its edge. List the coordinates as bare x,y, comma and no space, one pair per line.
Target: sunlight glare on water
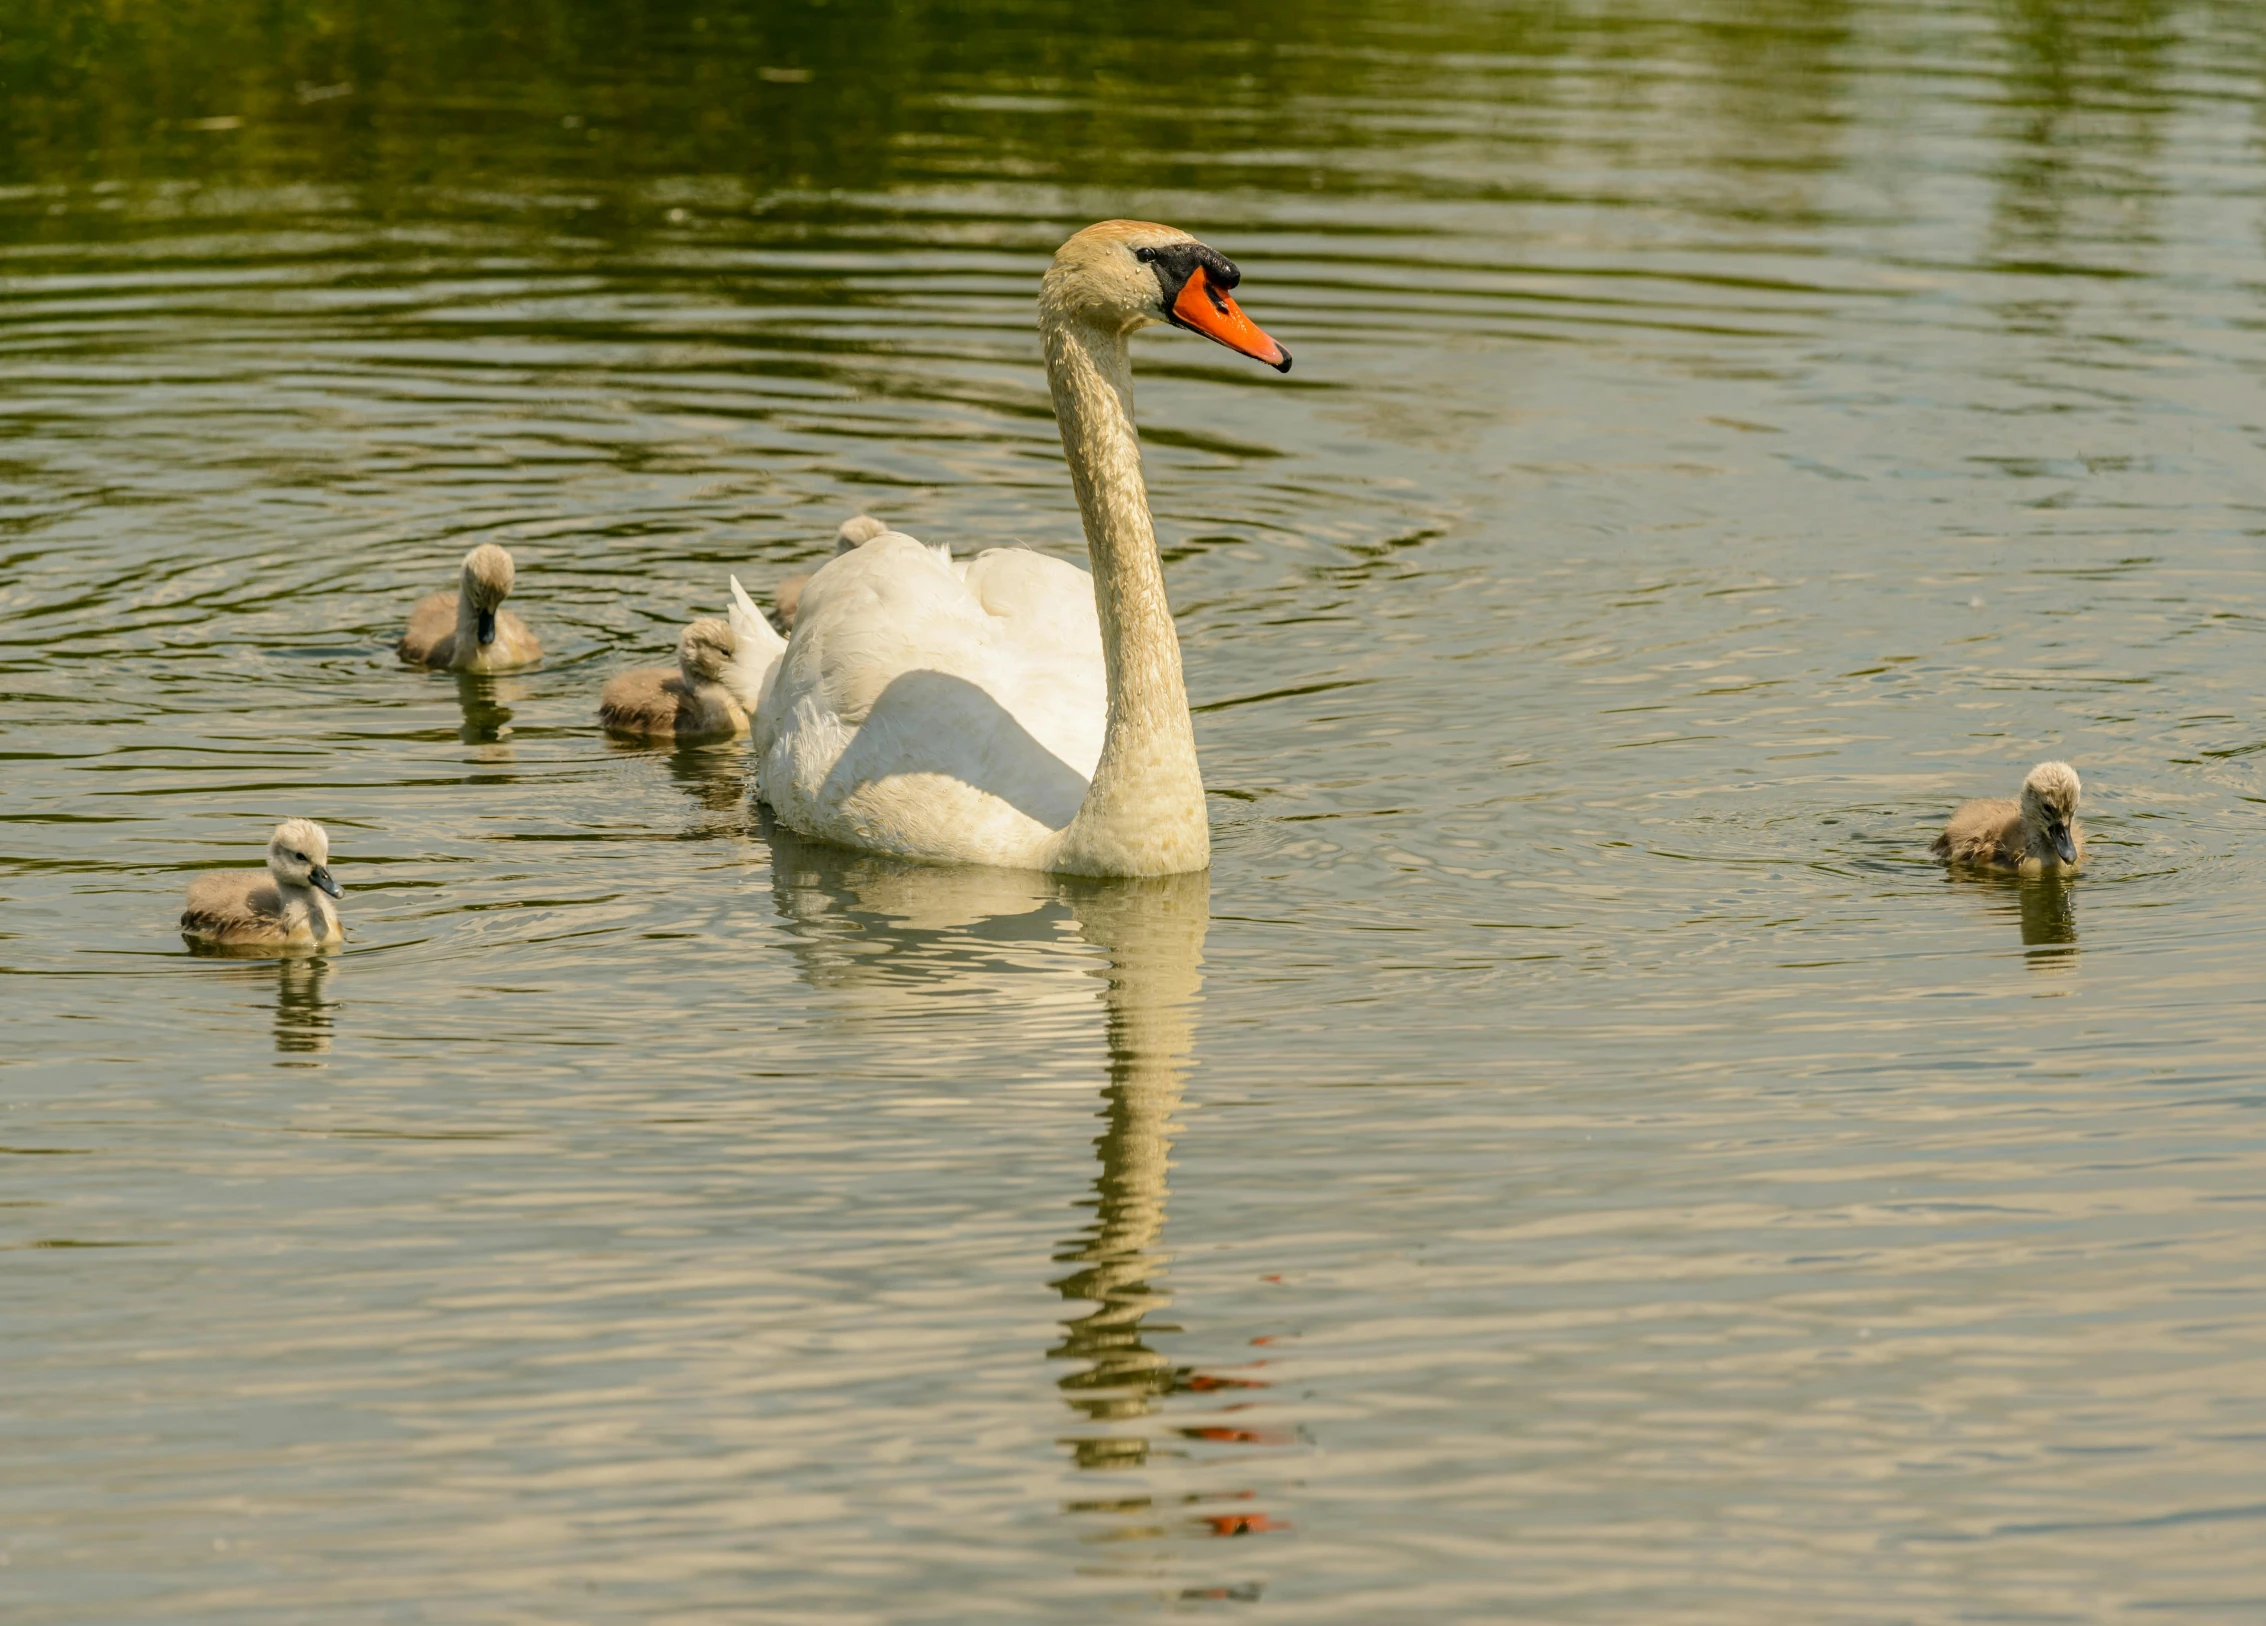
1574,1158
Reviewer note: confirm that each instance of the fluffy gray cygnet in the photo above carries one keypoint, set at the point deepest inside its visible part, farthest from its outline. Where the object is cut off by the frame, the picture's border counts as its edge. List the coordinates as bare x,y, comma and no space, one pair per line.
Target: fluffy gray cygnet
469,630
2038,834
691,704
286,905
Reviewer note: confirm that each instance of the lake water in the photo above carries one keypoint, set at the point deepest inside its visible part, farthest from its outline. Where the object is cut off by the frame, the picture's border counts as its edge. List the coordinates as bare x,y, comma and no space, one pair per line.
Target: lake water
1575,1158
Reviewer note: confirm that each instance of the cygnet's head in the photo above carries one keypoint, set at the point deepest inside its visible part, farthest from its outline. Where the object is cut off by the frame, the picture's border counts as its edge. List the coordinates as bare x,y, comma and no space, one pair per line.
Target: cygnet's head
2049,806
487,583
856,532
487,575
705,652
1125,274
298,855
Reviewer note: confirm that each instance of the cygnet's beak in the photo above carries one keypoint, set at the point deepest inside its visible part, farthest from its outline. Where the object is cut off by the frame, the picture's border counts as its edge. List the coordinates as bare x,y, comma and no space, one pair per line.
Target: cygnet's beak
2064,844
1206,308
321,877
487,627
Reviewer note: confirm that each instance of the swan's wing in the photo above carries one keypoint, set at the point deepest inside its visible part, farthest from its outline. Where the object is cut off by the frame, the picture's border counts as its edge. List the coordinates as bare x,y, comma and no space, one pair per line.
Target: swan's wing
886,608
757,649
1046,649
907,717
1039,602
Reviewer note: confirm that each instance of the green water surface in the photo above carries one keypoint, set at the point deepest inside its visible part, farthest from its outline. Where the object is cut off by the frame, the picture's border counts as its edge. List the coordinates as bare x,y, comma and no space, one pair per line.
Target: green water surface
1574,1158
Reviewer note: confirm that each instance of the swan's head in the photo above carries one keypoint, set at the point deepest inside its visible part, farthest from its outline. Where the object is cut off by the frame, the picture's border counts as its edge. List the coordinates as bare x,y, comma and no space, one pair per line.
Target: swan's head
486,584
1126,274
2049,807
705,652
298,855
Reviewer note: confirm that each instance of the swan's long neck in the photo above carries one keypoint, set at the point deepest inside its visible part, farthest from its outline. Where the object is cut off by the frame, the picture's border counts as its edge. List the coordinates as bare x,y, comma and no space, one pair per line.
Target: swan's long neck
1144,812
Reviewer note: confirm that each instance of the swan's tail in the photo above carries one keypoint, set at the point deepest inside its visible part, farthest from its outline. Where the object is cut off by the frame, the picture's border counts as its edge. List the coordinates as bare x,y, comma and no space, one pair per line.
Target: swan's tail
756,652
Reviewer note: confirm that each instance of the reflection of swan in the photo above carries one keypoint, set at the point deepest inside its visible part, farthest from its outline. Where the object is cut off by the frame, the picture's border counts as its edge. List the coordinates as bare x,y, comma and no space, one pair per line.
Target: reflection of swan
712,775
2045,908
1023,946
303,1007
486,702
1012,710
886,925
1153,932
2049,923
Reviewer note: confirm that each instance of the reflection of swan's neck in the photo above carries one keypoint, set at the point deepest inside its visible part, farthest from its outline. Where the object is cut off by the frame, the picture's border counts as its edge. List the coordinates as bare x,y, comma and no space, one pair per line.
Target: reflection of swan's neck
1154,932
1152,1002
1144,812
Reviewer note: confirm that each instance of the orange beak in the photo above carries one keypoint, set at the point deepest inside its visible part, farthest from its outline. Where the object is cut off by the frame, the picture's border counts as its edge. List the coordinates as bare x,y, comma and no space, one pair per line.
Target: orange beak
1213,312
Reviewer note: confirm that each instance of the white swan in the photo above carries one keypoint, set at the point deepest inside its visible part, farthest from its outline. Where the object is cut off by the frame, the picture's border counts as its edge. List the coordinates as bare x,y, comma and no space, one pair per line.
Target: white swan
1012,710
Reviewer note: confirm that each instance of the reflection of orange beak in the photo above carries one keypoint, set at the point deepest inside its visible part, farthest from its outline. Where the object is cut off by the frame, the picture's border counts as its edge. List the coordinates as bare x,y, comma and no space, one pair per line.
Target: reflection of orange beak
1212,312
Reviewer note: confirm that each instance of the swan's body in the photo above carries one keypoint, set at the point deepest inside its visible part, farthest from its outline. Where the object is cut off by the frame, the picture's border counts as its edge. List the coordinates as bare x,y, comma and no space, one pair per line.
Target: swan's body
689,705
467,630
2037,834
933,709
786,598
1012,710
282,906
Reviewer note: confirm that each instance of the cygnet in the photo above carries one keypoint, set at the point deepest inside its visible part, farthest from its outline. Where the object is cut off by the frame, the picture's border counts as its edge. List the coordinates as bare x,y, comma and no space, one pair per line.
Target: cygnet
2039,833
469,630
689,705
855,533
280,907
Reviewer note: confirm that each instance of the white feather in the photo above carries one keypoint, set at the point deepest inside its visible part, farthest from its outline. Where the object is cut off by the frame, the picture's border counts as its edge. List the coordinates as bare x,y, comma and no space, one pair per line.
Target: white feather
757,648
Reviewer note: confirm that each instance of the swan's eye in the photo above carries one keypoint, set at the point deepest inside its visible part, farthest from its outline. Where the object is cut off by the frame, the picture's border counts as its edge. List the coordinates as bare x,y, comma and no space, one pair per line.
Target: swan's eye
1147,256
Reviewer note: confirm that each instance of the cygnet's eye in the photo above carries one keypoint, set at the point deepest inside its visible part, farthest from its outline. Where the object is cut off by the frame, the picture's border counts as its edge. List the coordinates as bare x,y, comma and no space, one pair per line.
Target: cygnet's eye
302,857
